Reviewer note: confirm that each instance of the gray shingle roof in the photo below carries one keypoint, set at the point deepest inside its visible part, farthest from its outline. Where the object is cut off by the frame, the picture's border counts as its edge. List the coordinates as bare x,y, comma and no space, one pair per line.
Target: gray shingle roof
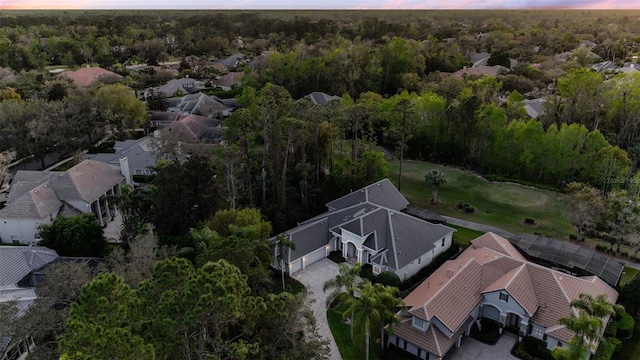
403,238
320,98
39,202
381,193
18,261
36,194
139,153
308,238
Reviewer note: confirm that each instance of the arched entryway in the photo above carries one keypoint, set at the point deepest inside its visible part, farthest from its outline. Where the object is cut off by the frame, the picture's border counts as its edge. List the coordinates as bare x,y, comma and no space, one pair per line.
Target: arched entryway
352,252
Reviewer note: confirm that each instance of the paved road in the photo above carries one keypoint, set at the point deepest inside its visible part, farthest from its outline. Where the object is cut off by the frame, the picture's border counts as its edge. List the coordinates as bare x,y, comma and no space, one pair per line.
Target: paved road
476,226
313,277
506,234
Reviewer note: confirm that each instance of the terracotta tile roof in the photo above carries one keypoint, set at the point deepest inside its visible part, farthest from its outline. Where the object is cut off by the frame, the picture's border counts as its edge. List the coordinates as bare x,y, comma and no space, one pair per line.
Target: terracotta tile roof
87,76
453,291
498,244
449,294
433,340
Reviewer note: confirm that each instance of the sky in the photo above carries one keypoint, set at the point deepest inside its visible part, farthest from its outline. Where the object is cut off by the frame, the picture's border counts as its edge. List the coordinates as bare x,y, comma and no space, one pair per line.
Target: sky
325,4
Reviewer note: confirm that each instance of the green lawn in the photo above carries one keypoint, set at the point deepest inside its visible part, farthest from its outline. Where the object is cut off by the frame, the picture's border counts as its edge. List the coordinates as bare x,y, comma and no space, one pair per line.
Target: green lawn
630,348
351,350
503,205
627,275
463,236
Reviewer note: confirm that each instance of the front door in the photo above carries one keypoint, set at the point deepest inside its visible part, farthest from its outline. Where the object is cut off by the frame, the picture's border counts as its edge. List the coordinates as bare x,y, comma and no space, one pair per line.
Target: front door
513,322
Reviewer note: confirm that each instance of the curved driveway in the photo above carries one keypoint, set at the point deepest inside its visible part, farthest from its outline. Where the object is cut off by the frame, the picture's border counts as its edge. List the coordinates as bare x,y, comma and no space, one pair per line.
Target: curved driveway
313,277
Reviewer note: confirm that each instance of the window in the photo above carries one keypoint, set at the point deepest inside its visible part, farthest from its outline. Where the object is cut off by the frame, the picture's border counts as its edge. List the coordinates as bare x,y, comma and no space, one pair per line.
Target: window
404,345
504,297
537,331
443,242
376,269
397,341
419,323
419,260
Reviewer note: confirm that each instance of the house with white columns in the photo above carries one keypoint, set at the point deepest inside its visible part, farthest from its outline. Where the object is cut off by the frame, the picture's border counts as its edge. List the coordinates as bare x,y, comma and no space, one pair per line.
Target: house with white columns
367,226
38,197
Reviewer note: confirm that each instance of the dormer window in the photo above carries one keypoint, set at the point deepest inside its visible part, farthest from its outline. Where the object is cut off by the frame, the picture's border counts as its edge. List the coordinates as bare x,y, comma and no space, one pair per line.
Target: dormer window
419,323
504,297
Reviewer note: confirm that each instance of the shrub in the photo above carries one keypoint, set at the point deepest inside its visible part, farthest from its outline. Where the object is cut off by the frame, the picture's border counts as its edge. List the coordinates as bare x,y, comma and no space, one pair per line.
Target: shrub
388,278
624,254
529,220
536,349
336,256
626,323
469,209
612,329
366,272
460,204
490,331
143,178
573,237
606,349
601,248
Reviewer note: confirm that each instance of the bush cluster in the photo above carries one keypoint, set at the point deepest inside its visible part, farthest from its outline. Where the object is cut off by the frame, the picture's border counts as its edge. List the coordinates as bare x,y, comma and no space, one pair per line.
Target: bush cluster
607,347
529,220
532,349
468,208
336,256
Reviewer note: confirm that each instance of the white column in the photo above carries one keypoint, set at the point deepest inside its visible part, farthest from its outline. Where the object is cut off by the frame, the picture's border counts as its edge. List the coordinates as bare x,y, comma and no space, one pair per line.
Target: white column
97,202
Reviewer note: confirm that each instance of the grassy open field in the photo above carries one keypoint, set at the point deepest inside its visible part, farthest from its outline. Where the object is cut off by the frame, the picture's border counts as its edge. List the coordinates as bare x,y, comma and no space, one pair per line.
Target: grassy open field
503,205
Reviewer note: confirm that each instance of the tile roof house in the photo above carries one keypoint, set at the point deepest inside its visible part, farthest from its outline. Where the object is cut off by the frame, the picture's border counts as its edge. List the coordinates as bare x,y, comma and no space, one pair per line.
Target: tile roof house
196,128
229,80
368,226
534,107
88,76
201,104
320,98
18,265
37,197
490,279
180,86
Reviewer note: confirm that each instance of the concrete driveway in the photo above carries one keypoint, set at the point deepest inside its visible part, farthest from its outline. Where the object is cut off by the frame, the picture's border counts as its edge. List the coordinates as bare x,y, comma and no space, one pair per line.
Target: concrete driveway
313,277
472,349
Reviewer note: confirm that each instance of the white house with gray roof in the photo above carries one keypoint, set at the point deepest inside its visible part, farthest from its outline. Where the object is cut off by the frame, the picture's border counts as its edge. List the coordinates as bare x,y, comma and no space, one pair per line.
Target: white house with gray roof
37,197
368,226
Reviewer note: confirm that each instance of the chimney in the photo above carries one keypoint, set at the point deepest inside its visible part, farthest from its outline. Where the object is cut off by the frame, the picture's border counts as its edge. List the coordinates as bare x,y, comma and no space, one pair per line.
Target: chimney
124,170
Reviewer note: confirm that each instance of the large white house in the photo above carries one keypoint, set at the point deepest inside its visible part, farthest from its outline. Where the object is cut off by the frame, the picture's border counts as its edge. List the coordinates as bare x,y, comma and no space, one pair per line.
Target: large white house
37,197
368,226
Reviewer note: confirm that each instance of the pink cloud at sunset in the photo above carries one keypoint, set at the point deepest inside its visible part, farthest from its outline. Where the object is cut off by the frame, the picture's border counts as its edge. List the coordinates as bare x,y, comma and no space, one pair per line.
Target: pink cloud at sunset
328,4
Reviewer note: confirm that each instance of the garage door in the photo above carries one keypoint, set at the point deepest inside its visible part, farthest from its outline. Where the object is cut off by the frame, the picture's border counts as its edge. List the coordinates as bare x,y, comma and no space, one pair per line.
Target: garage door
315,256
295,266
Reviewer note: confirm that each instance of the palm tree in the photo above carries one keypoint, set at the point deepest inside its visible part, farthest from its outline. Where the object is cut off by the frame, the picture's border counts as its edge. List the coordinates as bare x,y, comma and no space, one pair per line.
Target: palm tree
587,326
388,302
284,243
435,178
346,281
373,301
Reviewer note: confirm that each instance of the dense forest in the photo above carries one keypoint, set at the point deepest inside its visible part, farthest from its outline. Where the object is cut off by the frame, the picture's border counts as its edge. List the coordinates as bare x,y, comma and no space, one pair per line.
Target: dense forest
405,86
